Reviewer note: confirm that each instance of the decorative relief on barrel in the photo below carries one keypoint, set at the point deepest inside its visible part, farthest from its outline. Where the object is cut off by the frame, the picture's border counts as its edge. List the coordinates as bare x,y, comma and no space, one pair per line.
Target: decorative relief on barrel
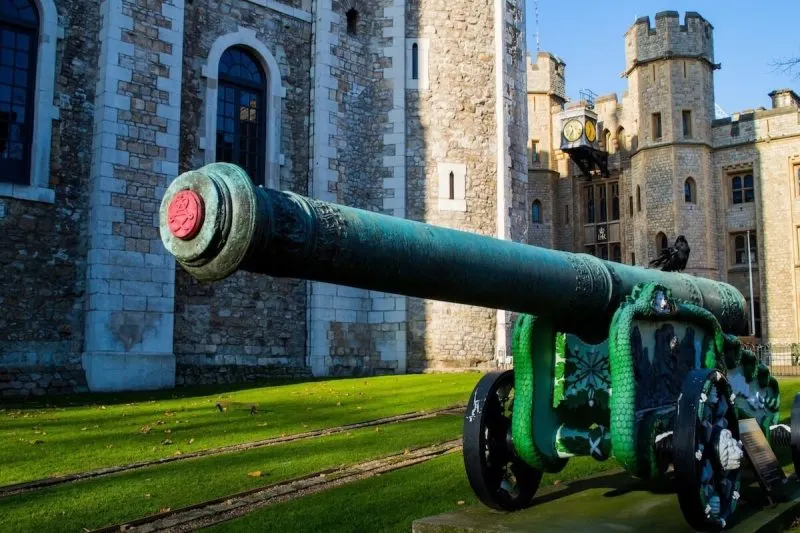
691,291
331,229
592,281
732,315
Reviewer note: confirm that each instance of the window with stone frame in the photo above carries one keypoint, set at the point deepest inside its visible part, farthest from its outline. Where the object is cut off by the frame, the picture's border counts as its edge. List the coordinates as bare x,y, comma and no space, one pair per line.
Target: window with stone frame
796,177
686,116
415,61
638,199
536,212
241,112
656,126
19,38
690,191
742,189
662,243
352,21
533,154
601,220
739,248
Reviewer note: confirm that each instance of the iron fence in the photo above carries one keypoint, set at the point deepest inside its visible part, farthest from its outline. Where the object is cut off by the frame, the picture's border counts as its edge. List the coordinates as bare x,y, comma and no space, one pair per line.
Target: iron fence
782,359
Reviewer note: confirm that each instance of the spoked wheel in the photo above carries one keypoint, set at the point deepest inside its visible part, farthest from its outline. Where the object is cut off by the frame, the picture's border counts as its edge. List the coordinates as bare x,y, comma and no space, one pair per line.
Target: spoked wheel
707,451
498,477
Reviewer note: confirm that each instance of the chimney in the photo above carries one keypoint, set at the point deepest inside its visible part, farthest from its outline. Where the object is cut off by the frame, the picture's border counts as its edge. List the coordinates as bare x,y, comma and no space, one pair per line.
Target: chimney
784,98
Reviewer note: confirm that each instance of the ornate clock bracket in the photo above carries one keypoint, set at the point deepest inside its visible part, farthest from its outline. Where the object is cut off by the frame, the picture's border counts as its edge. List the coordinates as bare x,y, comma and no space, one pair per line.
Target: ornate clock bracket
579,141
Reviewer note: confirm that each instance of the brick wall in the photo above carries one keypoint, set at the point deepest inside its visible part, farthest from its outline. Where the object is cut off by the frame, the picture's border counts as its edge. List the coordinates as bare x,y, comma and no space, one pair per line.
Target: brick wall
43,258
247,326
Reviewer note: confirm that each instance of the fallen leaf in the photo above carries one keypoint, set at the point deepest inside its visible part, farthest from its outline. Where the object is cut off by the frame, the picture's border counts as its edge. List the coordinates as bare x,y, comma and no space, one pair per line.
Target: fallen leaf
84,429
147,496
460,502
557,482
37,441
165,442
406,451
177,452
377,430
144,430
190,441
167,431
165,509
262,424
338,404
109,446
103,407
255,473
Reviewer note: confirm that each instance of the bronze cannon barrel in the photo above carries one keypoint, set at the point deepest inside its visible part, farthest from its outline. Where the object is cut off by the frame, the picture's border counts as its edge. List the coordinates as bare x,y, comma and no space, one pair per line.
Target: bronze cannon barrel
215,222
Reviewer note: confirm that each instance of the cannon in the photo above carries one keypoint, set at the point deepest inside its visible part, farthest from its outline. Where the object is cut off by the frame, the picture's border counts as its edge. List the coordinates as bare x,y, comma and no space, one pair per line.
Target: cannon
609,359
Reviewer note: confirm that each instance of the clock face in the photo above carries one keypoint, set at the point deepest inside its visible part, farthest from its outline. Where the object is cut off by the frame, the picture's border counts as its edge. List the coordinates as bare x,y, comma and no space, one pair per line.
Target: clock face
573,130
591,132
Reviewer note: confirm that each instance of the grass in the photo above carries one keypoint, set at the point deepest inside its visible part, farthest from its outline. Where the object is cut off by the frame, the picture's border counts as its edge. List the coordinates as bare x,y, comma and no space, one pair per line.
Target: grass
388,503
38,441
105,501
431,488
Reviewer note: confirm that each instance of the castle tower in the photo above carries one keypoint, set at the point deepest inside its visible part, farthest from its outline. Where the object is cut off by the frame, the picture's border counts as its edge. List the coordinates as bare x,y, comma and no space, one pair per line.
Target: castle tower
671,91
419,111
466,157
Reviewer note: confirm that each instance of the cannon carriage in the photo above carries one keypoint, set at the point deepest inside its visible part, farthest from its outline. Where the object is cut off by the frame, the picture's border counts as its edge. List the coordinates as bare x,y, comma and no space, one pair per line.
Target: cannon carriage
609,359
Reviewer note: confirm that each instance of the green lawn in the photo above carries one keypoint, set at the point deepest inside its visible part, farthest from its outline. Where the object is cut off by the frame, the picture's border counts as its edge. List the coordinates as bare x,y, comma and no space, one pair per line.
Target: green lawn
388,503
104,501
38,441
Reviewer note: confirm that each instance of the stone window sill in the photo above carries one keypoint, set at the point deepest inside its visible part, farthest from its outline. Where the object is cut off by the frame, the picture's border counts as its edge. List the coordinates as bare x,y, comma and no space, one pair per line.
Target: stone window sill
452,205
28,192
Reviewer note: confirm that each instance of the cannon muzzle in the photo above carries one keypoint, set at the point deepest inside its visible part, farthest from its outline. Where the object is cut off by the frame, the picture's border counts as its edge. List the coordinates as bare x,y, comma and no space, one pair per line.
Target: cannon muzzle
215,222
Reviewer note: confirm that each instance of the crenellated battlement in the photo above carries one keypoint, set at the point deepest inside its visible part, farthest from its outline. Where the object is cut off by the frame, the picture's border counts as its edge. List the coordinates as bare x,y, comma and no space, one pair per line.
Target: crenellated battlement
546,75
669,39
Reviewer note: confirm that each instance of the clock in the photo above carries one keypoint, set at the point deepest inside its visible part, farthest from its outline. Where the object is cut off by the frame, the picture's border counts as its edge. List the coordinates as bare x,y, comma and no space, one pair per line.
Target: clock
573,130
591,132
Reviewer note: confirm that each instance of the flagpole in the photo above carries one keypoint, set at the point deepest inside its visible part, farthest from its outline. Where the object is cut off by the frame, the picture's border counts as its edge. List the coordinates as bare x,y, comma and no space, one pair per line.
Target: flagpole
750,275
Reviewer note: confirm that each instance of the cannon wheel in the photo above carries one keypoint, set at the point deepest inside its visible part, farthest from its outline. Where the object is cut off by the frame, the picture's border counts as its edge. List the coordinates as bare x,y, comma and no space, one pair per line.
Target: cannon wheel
499,478
795,432
707,493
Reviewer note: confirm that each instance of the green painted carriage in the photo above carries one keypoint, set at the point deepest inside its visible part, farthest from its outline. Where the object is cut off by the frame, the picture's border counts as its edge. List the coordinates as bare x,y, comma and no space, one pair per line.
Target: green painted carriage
610,360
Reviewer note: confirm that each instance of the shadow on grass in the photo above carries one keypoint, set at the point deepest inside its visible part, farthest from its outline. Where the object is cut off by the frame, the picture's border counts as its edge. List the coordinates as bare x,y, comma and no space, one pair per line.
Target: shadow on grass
178,393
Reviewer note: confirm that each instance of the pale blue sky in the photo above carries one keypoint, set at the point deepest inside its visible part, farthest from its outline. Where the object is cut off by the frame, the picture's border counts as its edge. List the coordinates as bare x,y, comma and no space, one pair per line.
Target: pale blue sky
748,37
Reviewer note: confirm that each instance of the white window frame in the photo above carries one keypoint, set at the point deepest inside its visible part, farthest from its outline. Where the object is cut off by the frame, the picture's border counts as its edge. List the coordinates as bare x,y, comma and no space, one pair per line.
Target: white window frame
458,202
422,82
274,100
44,111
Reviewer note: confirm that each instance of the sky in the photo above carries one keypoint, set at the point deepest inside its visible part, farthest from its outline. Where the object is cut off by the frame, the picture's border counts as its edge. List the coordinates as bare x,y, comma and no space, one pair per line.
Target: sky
749,36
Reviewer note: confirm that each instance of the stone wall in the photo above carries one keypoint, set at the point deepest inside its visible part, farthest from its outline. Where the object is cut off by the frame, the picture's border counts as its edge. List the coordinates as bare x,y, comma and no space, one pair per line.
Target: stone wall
246,326
453,122
43,258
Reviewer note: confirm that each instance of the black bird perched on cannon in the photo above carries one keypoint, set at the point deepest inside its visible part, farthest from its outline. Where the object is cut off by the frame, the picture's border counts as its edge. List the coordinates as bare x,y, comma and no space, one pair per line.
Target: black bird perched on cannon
673,258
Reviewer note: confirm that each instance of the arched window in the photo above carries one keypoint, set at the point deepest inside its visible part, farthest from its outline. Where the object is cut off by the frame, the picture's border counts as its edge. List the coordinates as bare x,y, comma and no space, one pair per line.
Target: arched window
622,141
607,141
352,21
19,39
689,191
661,242
241,117
638,199
415,61
536,212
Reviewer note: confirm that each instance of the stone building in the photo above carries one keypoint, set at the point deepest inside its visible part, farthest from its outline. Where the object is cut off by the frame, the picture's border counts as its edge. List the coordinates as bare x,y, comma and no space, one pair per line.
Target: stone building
104,102
675,169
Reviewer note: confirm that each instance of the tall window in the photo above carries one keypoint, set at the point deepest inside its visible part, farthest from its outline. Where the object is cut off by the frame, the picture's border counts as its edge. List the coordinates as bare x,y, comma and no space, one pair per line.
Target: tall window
661,242
536,212
566,214
687,123
607,140
622,140
740,248
352,22
689,192
241,117
638,199
415,61
451,186
19,37
796,174
656,126
533,154
601,215
742,190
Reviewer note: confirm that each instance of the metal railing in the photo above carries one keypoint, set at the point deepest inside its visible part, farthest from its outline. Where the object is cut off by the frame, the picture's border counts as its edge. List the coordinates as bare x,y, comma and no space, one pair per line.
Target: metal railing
782,359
